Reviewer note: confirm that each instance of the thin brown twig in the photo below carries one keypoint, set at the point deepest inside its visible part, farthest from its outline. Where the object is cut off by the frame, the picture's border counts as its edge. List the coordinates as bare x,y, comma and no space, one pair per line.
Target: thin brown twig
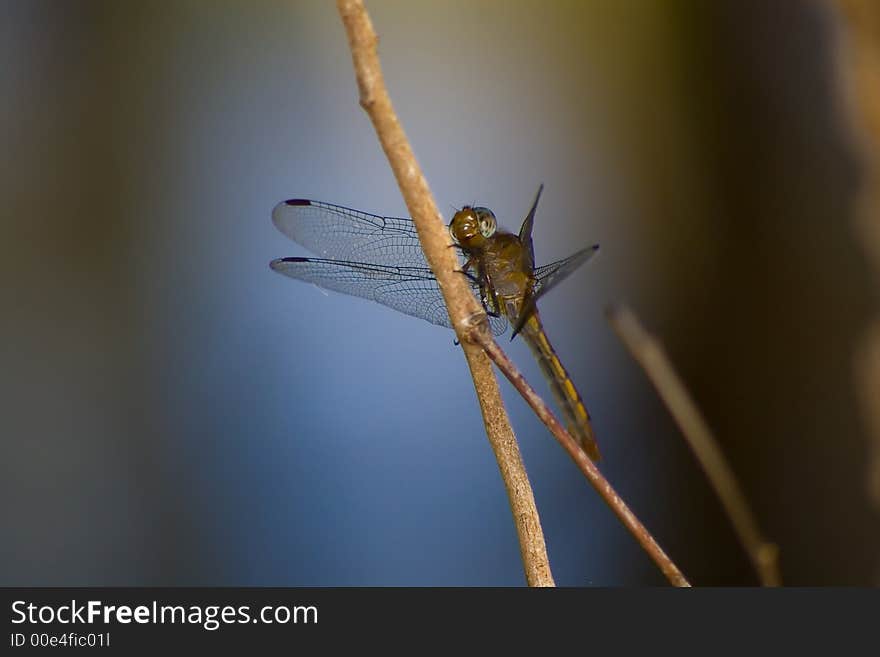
577,454
650,355
460,301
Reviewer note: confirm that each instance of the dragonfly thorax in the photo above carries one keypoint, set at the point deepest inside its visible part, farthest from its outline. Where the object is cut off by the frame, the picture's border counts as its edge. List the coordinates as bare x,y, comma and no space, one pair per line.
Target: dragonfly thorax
471,226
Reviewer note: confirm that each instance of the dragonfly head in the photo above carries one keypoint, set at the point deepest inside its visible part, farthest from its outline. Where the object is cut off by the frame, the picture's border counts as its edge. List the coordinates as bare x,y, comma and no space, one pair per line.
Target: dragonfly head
470,226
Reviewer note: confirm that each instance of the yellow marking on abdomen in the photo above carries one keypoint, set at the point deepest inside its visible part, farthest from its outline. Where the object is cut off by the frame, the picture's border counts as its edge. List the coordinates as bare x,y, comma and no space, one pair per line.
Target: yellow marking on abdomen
577,418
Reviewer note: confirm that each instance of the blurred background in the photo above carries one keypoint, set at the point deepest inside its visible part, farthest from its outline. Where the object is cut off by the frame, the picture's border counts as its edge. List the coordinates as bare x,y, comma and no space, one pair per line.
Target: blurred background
172,412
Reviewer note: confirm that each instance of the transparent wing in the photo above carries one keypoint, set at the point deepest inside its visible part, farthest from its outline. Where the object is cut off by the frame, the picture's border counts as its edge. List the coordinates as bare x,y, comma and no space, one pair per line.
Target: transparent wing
525,231
334,231
410,290
548,276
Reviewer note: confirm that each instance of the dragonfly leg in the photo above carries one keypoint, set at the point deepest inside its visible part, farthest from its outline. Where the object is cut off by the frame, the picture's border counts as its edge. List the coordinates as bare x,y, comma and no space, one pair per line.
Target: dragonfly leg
487,294
490,302
464,270
473,279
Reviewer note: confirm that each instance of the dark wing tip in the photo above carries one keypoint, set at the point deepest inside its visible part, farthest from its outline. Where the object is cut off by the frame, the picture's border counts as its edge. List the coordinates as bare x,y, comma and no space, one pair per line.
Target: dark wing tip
277,263
595,247
281,217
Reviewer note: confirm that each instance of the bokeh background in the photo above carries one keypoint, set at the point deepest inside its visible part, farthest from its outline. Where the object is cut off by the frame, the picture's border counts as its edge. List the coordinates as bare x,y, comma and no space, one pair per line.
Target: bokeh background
173,412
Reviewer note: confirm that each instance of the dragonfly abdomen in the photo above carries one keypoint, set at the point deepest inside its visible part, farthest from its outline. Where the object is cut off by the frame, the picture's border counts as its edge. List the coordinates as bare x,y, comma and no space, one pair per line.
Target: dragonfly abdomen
577,418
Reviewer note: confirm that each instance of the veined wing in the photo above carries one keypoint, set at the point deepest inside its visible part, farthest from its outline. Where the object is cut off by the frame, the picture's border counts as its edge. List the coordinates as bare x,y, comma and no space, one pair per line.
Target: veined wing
525,230
549,276
408,289
334,231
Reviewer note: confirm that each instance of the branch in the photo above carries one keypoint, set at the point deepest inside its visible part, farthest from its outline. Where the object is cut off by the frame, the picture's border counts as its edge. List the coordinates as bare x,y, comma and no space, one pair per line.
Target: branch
858,78
649,354
459,300
482,337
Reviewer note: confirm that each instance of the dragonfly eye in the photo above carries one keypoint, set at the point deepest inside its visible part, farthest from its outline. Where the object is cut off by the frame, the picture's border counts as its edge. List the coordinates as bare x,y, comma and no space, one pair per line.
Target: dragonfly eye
487,221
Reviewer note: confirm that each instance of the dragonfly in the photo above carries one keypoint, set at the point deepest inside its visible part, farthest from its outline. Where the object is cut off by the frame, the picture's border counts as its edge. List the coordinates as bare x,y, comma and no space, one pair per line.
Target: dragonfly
380,258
